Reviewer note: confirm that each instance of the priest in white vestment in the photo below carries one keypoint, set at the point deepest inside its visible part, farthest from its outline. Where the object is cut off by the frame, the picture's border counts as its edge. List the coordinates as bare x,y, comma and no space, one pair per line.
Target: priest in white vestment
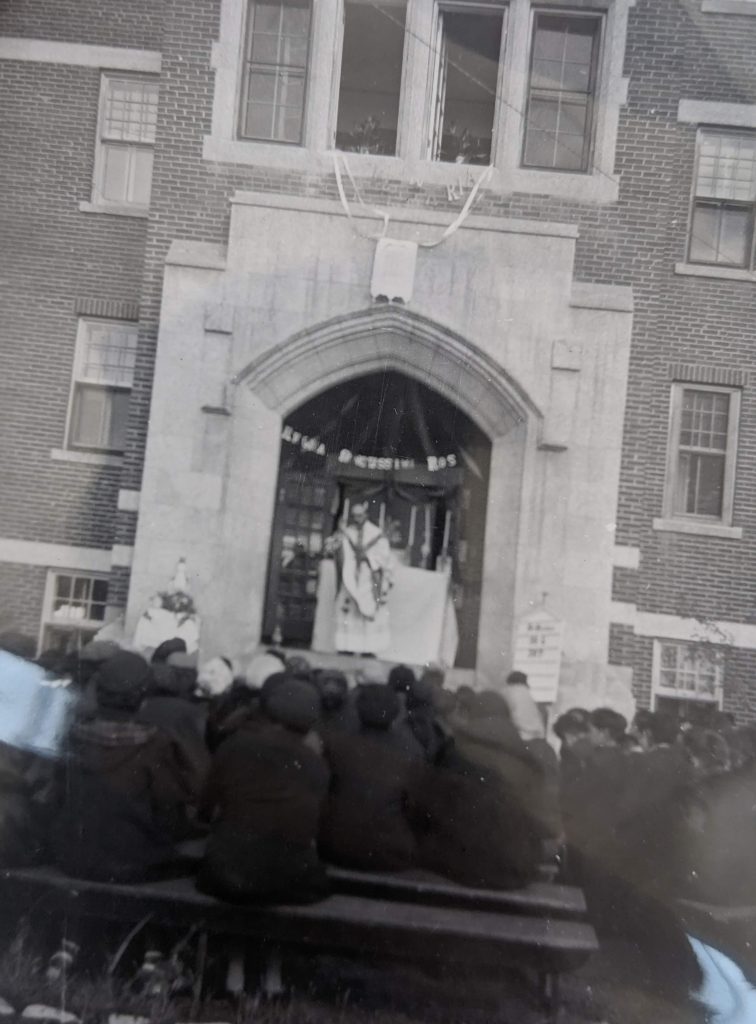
364,566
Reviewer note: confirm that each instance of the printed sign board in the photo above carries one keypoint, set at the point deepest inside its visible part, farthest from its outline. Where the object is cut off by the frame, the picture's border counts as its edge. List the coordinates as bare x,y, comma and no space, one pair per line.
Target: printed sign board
538,653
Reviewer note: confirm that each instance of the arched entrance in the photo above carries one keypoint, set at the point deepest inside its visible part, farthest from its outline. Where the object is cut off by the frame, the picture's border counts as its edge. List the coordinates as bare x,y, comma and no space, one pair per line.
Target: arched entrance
423,466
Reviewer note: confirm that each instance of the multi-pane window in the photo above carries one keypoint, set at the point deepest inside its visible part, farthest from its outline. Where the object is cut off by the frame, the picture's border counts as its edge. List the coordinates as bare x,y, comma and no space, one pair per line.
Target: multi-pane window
275,70
103,377
75,610
703,439
561,90
688,671
126,140
468,47
371,76
722,219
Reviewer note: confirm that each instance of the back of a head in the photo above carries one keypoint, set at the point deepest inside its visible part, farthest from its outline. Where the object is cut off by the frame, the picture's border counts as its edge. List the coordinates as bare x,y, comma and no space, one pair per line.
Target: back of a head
262,667
122,682
401,678
298,667
572,725
663,729
609,722
421,694
168,647
292,703
333,687
488,704
517,678
377,705
707,750
433,676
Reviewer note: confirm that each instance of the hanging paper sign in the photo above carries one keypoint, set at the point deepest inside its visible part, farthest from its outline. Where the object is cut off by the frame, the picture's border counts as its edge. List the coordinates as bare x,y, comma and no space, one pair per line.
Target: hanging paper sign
313,445
433,462
538,653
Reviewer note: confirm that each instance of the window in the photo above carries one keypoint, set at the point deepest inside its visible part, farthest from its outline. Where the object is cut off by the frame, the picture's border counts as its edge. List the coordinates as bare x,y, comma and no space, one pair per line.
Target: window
103,377
371,76
721,223
701,464
561,90
687,673
126,140
74,610
469,47
275,70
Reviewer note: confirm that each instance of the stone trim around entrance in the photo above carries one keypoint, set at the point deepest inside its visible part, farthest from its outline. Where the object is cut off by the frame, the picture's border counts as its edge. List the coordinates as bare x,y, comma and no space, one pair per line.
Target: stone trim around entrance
389,337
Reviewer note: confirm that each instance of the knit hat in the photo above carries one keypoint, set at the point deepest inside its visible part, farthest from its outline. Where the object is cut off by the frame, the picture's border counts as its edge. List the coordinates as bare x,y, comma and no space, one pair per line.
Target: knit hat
517,678
168,647
401,678
122,681
215,677
377,705
292,703
333,687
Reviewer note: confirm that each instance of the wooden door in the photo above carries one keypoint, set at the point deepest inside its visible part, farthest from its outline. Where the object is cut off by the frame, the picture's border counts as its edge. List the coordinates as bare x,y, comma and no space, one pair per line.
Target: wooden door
303,521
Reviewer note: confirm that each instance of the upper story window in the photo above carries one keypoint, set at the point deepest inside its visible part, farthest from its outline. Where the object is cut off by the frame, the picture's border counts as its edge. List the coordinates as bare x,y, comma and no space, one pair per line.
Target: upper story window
372,57
469,43
102,381
125,141
702,449
275,70
561,91
722,218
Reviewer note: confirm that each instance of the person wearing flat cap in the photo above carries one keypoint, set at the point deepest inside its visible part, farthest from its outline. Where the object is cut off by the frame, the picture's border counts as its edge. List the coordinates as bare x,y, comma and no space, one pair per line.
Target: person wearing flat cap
126,792
263,800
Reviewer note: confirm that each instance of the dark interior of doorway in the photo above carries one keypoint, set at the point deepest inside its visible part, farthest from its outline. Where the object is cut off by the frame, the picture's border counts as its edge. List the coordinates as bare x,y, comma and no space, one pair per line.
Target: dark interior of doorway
393,440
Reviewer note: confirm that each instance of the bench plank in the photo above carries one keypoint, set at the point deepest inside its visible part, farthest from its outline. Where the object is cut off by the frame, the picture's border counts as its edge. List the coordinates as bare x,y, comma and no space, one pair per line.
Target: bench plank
350,923
539,899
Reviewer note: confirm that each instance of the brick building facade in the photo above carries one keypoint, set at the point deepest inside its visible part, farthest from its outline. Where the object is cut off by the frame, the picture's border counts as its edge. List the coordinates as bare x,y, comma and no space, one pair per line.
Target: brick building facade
643,544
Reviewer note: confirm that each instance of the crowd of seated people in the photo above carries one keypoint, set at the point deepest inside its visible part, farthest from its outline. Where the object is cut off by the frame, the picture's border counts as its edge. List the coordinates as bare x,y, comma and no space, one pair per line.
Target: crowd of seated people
277,772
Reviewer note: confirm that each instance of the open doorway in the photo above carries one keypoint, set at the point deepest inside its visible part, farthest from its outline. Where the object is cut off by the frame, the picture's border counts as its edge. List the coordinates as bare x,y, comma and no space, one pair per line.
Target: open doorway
420,463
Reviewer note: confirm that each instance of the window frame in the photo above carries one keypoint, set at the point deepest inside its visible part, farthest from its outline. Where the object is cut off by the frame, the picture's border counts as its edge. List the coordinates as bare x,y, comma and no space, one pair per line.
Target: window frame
589,146
677,390
72,626
243,77
101,144
78,378
434,75
668,693
748,266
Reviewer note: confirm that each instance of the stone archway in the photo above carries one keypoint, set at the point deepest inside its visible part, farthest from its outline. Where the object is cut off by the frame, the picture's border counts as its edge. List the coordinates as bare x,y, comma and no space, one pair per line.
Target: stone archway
386,338
389,337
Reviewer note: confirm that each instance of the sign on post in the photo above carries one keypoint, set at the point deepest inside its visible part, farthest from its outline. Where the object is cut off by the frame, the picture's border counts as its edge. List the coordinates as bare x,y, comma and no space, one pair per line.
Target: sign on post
538,653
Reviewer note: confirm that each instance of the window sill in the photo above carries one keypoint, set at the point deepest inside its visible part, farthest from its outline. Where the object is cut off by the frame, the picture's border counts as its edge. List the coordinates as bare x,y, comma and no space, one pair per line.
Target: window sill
721,273
597,187
115,210
86,458
702,529
747,7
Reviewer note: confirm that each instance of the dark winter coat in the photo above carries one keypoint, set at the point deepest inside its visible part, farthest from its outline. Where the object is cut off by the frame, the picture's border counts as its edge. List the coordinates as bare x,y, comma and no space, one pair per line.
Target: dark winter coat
264,795
126,795
471,825
364,823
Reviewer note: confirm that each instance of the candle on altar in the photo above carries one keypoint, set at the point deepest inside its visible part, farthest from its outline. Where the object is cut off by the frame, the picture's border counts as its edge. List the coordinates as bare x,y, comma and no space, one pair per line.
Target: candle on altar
345,516
411,531
382,515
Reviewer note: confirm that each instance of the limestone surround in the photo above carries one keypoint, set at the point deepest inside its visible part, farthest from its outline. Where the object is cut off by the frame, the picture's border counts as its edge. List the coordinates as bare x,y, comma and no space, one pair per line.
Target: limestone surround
496,324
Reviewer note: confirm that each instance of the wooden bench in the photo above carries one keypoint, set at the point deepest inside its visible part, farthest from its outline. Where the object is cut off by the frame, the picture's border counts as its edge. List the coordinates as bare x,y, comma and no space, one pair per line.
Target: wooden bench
539,899
341,923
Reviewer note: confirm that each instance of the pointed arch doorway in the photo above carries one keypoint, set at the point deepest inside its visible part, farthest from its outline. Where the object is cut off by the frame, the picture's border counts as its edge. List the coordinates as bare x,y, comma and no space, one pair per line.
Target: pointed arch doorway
420,462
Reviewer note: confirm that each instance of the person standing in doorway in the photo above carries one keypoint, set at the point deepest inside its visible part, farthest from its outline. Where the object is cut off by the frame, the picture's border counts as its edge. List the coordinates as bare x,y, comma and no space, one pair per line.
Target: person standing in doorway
364,564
